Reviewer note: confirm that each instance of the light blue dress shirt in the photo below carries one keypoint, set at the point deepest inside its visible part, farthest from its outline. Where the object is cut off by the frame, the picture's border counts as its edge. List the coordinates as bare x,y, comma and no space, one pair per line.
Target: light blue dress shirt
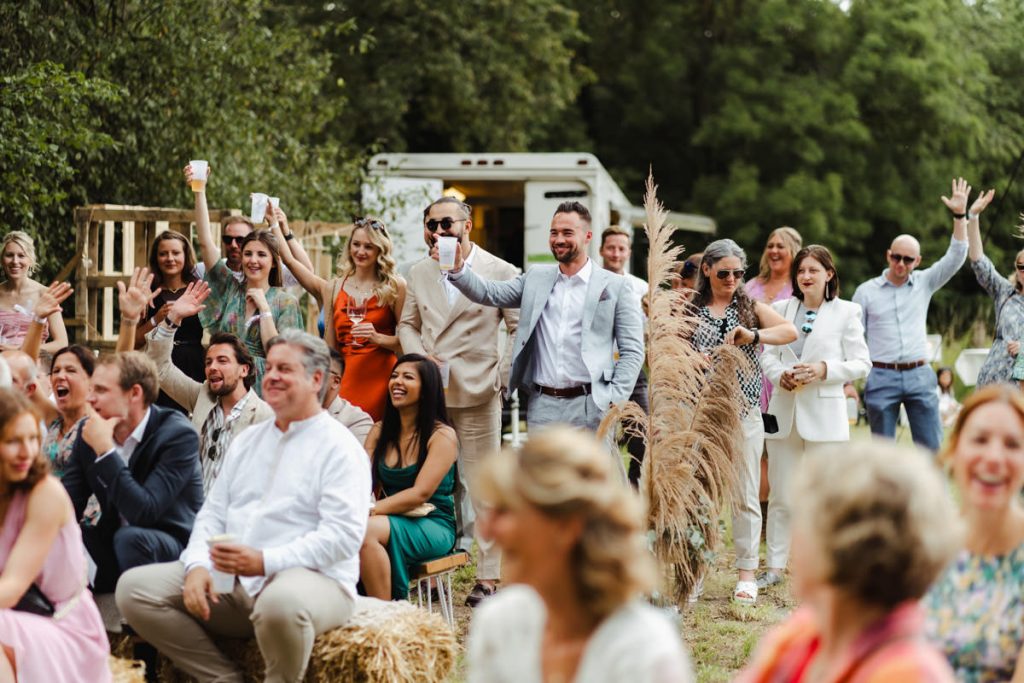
895,316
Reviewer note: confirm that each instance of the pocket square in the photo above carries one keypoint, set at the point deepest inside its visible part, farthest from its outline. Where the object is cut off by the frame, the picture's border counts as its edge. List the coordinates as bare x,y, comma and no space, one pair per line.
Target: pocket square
605,296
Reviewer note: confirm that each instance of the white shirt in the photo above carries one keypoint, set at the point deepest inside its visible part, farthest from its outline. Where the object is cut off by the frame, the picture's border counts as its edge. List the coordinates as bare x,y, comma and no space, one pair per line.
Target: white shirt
560,332
636,643
301,496
127,449
449,288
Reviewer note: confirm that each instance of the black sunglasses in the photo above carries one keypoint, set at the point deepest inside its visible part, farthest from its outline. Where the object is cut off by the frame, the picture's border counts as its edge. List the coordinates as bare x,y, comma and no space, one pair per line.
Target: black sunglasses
444,223
232,239
907,260
211,452
725,272
809,318
370,223
689,268
1020,267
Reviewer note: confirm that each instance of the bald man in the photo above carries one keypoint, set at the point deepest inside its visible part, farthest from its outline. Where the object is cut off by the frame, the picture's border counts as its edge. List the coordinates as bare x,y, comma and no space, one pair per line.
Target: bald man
895,306
24,371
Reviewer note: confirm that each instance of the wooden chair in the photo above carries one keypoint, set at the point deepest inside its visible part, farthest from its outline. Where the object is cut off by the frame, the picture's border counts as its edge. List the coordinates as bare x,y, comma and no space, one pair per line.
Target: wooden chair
440,570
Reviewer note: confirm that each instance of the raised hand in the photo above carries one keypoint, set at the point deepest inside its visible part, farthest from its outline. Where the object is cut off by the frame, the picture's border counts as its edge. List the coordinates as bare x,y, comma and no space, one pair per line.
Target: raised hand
957,203
190,302
50,300
136,297
982,202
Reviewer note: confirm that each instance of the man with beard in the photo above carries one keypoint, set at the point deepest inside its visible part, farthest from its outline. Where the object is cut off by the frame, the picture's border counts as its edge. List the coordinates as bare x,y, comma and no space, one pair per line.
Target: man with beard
572,317
223,405
438,322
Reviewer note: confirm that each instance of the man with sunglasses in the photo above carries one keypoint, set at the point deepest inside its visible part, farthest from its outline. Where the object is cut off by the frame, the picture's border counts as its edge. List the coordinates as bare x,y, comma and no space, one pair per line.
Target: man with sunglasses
223,405
574,316
895,308
233,231
439,322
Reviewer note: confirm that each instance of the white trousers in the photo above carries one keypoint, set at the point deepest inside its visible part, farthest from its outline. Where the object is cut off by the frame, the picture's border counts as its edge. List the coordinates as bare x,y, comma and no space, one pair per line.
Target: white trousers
746,509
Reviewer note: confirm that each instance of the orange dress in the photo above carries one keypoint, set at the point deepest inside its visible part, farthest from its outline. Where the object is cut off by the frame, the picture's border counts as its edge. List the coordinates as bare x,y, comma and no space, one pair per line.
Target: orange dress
367,367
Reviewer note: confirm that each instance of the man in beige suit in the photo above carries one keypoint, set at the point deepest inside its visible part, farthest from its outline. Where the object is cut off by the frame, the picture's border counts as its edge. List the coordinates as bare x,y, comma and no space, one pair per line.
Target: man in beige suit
441,323
355,418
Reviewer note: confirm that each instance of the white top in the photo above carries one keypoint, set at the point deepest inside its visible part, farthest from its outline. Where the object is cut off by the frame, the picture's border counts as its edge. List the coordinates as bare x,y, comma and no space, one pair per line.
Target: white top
301,496
638,286
560,332
636,644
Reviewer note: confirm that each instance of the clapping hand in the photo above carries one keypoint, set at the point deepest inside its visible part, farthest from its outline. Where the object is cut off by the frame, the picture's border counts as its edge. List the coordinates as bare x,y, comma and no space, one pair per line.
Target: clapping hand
136,297
983,200
50,300
190,302
957,203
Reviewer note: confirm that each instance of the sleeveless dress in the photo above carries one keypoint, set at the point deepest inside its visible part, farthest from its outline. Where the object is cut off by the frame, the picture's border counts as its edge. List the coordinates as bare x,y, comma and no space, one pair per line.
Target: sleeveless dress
417,539
367,367
73,646
14,326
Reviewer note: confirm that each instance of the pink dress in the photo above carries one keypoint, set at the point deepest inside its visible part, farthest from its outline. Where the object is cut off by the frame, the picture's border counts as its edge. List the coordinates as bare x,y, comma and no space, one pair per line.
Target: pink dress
72,647
14,327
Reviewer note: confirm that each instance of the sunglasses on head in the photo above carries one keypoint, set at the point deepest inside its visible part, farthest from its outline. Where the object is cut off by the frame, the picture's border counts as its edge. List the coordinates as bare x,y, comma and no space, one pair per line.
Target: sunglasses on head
689,268
444,223
907,260
725,272
809,318
232,239
370,223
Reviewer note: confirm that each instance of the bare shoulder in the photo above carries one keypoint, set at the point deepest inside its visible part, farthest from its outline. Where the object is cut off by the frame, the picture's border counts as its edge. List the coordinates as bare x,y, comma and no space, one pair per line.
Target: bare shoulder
48,500
444,434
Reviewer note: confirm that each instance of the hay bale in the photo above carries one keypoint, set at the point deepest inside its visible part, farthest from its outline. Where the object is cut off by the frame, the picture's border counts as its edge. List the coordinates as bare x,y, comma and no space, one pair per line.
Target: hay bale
383,642
127,670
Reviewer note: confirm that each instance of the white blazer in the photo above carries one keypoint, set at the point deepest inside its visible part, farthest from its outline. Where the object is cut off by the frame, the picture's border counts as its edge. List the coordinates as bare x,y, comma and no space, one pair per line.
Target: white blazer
818,408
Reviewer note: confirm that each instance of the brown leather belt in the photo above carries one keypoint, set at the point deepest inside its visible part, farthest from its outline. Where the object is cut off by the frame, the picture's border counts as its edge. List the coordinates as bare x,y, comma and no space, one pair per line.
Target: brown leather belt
568,392
899,366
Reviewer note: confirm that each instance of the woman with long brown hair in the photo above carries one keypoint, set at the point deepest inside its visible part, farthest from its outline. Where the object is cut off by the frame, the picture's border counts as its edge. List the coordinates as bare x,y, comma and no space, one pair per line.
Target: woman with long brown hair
50,629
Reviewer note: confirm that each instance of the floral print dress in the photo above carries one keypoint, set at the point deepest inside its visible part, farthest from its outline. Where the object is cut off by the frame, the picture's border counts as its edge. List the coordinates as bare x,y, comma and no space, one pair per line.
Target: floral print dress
1009,309
975,615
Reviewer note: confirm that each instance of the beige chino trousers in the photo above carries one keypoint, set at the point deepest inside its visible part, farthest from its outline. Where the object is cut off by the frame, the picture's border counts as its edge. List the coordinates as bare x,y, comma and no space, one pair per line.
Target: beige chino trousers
293,608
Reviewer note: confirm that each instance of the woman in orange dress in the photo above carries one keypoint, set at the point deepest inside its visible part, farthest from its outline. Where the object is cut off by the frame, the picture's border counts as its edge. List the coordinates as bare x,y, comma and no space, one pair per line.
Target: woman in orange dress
368,274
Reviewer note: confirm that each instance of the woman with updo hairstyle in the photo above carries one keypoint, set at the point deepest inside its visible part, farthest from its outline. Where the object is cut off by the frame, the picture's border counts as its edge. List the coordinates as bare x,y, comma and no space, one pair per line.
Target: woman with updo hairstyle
975,611
571,535
50,628
873,525
19,294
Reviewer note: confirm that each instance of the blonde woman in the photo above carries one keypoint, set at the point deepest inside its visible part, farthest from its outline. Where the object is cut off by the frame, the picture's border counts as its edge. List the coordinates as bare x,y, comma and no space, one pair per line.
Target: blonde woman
975,611
19,294
368,282
571,535
773,282
873,526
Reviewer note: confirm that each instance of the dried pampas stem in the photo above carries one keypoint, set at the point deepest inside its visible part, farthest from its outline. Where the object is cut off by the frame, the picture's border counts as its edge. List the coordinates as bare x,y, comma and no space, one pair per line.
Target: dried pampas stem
693,433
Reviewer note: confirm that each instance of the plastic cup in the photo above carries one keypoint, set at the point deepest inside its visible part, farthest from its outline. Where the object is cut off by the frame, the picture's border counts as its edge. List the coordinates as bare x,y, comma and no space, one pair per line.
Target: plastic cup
258,214
222,581
445,369
446,247
274,201
200,173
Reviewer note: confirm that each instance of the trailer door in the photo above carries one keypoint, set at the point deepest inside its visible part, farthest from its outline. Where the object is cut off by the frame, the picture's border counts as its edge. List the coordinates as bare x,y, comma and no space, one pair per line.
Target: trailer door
542,197
399,201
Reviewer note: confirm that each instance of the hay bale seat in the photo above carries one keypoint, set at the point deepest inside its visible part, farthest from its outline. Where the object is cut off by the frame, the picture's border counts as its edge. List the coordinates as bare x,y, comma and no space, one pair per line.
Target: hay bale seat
392,642
440,570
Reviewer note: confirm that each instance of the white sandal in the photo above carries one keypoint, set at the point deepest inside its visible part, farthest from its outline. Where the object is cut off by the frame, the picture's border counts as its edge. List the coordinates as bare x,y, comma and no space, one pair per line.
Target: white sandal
745,593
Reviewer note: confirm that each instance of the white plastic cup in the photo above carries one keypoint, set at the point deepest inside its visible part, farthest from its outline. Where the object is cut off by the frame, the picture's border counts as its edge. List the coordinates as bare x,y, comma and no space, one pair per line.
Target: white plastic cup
446,246
222,581
200,174
445,369
274,201
258,214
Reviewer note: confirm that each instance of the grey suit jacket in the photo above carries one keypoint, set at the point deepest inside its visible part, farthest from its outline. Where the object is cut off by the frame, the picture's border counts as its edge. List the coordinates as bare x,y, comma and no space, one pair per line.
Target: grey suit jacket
611,316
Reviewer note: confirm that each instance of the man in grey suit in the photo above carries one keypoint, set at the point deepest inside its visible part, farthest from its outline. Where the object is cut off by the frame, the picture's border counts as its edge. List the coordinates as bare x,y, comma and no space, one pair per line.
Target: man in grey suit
572,316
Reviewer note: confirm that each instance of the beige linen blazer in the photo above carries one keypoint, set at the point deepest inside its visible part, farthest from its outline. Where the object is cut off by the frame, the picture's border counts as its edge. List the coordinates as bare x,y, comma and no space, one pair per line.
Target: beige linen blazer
464,334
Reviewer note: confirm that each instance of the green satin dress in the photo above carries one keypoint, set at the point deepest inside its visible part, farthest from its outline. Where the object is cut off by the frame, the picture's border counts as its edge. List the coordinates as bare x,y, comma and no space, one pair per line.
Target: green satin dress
417,539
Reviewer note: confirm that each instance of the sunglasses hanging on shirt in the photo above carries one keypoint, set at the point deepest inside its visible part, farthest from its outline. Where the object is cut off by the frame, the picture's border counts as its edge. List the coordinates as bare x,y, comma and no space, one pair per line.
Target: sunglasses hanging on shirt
809,318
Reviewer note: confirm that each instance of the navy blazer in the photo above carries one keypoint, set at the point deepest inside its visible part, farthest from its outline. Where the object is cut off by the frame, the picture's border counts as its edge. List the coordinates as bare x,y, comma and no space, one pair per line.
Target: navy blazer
162,489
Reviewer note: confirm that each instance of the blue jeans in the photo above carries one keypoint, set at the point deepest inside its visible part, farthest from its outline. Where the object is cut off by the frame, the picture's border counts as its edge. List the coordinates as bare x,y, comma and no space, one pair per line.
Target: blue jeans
915,389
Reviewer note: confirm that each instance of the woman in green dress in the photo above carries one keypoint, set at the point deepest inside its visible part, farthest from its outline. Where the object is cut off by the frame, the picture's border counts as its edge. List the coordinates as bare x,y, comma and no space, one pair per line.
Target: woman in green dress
413,452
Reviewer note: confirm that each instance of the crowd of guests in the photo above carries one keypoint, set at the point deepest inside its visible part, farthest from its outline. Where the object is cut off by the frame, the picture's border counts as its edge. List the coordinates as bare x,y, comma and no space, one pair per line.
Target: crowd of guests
254,486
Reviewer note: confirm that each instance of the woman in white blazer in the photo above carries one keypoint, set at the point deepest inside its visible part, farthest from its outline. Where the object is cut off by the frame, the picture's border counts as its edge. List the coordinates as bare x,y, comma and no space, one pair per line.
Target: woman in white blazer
808,374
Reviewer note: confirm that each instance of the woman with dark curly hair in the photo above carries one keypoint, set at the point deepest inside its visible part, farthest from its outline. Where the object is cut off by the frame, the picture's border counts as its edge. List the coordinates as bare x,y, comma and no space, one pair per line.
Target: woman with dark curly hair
50,629
729,316
571,534
873,526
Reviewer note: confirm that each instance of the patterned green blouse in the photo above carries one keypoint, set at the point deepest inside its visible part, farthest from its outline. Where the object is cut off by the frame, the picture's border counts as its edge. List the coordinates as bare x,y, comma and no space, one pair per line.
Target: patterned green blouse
975,615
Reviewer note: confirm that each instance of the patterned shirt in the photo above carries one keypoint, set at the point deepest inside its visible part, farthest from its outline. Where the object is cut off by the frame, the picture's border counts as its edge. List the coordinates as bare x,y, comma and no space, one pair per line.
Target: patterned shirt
1009,308
710,333
215,438
975,615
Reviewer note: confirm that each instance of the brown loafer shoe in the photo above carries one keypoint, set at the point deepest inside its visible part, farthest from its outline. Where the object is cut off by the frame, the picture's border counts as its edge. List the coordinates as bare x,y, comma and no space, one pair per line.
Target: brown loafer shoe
479,593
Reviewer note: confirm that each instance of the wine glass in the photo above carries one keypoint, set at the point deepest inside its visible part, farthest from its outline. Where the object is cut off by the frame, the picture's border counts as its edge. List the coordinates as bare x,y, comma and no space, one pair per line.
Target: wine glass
355,309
